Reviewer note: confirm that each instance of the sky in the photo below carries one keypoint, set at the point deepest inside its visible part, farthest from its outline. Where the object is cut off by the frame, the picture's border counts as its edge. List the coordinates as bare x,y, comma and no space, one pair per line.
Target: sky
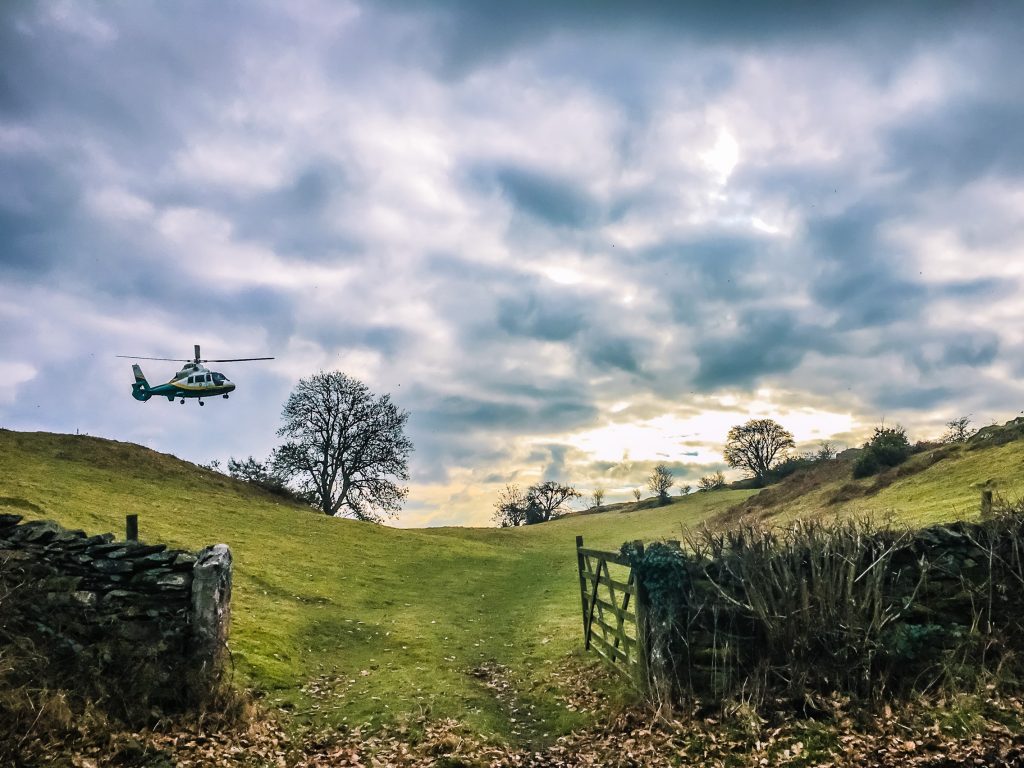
571,239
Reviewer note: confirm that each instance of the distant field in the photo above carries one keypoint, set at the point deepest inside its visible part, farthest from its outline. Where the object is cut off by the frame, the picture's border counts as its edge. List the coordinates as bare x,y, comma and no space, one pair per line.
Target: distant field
391,621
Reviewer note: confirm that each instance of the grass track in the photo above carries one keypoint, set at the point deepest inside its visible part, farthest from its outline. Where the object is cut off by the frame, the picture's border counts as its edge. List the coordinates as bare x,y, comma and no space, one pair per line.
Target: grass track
394,620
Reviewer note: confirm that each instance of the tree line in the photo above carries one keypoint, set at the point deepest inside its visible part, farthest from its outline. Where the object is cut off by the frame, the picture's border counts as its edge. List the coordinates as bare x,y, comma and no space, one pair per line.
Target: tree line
761,448
345,453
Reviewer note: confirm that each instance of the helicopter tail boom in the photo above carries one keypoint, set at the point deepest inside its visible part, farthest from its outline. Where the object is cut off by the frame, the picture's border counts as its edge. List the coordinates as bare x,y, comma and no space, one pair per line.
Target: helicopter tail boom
140,389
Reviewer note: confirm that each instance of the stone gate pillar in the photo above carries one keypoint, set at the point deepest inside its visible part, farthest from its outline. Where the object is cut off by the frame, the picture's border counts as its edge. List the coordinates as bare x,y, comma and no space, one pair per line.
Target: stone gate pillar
211,613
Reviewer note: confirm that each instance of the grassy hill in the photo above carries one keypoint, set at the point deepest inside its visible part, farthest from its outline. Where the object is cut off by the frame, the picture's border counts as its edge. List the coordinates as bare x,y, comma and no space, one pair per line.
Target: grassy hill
351,622
939,484
387,621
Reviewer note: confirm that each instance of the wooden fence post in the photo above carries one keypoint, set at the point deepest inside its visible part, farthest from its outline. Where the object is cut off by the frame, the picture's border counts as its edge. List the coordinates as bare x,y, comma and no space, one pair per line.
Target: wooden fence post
131,527
986,503
583,591
643,628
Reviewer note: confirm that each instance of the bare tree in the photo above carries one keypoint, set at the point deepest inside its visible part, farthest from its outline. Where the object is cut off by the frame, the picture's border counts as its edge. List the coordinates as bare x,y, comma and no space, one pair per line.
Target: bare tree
510,508
684,490
346,447
546,501
636,494
958,430
660,480
598,496
756,446
826,451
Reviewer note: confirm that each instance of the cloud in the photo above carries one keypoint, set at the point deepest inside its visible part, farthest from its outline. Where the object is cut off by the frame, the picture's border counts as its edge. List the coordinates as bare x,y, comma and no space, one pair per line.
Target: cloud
619,353
548,315
554,200
762,342
958,142
547,231
470,36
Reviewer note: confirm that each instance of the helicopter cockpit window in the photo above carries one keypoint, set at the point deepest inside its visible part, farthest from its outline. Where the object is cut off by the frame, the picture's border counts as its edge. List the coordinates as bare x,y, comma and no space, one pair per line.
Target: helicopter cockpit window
218,378
191,379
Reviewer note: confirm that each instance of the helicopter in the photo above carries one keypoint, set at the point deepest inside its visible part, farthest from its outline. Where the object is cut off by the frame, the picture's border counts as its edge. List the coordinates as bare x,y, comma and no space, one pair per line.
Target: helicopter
193,380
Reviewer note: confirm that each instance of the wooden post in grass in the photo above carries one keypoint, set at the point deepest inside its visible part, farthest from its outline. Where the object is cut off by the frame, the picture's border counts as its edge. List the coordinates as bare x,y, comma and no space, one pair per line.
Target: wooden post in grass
583,591
986,503
643,628
131,527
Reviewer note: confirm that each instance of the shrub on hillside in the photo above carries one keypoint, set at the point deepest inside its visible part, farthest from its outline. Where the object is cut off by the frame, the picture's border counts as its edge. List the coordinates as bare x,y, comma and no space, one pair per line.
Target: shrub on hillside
888,447
788,466
792,464
713,482
262,475
958,430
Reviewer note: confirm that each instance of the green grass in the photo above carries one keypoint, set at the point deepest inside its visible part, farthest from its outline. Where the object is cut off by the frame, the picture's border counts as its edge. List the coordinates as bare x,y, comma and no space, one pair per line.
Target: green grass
949,489
396,619
393,621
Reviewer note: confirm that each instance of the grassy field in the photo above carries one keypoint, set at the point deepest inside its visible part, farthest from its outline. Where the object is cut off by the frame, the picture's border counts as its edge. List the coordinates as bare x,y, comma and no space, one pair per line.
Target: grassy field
936,486
350,622
388,622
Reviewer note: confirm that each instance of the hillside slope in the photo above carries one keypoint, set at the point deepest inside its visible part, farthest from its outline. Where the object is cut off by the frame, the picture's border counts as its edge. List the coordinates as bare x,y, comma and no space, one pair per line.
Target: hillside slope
940,484
348,621
351,622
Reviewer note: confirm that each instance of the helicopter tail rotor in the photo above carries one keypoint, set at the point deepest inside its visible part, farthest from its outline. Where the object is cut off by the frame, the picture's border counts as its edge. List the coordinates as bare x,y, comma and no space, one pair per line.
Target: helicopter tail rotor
140,389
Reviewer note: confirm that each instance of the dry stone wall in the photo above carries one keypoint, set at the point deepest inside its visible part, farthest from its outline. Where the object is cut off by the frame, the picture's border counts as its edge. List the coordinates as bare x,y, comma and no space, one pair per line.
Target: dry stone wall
119,621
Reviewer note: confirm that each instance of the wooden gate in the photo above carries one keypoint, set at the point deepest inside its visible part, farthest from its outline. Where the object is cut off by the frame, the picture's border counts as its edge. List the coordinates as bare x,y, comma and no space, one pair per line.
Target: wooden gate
614,623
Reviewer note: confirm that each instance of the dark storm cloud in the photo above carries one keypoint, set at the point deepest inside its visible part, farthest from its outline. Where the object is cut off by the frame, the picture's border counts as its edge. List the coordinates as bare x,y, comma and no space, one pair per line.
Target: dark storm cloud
975,350
902,396
454,414
713,266
39,208
437,453
862,279
957,143
808,187
556,201
549,313
763,342
541,314
57,71
916,357
304,218
472,33
610,352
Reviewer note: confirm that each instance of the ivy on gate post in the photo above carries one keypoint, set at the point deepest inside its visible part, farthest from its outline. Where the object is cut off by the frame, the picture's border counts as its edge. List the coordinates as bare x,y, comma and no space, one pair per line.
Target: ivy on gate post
660,572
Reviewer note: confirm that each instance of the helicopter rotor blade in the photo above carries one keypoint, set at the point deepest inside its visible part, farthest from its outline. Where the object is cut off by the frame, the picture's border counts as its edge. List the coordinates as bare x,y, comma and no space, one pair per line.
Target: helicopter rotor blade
169,359
236,359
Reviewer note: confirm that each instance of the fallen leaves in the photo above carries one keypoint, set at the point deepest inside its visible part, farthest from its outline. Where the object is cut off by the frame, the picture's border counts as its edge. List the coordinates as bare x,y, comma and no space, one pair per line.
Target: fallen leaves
979,730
